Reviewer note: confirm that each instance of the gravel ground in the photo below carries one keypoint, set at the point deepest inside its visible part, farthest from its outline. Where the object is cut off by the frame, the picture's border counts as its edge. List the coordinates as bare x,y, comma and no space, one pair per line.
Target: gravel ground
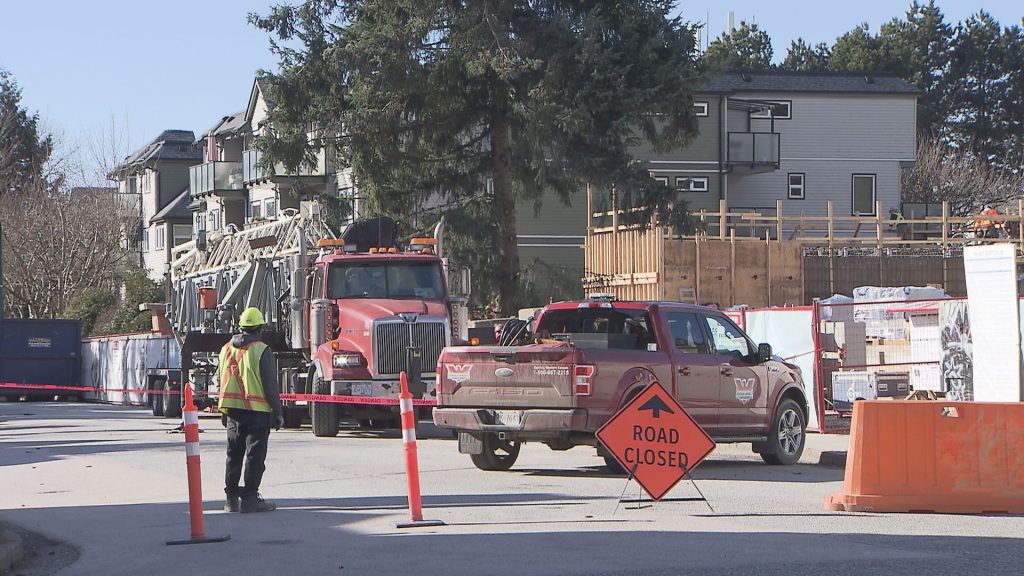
42,555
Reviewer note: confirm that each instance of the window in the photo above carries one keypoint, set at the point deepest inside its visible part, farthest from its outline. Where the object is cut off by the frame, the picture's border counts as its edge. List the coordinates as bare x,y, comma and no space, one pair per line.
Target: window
254,210
271,208
145,239
687,333
728,340
161,236
599,328
692,184
863,202
662,179
182,234
796,186
780,110
214,220
199,222
700,108
385,280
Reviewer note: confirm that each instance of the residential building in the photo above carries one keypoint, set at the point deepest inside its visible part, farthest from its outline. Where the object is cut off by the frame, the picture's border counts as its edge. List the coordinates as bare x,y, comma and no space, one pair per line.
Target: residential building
157,174
231,187
806,139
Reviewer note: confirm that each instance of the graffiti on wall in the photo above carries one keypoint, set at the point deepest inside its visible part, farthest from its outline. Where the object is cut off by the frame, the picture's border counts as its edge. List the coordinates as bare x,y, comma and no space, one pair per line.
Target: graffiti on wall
957,361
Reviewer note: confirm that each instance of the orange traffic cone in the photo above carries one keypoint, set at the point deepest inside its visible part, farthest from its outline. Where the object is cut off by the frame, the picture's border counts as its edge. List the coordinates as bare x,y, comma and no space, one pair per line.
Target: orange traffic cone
412,467
190,419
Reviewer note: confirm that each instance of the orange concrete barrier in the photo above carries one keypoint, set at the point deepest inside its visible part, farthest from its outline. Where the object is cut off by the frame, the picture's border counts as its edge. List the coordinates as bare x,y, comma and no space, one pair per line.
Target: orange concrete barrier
933,456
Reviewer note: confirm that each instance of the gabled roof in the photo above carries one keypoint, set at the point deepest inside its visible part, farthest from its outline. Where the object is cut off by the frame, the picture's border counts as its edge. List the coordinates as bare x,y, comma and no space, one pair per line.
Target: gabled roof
735,81
259,86
169,145
228,126
176,209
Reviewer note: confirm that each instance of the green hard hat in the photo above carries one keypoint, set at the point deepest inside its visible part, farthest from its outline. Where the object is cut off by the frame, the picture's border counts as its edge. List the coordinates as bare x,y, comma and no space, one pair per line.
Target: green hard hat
251,317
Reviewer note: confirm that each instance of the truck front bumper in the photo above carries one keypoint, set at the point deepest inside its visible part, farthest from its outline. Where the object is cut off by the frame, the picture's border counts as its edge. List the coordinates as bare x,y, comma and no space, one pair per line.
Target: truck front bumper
535,420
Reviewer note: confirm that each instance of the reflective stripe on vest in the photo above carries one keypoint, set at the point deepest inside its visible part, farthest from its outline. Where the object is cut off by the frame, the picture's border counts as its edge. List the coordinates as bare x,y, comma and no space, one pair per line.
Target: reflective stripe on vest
240,382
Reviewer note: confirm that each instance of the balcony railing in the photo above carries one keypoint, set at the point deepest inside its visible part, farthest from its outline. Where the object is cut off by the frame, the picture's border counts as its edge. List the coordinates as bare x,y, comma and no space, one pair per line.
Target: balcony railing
251,169
754,149
215,177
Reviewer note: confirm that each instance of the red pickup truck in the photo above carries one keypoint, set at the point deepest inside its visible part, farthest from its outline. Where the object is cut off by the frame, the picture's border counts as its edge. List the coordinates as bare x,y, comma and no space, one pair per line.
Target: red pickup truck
585,360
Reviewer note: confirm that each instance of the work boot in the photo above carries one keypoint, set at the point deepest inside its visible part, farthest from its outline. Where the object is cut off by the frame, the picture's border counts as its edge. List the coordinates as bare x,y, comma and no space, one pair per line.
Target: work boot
231,504
255,503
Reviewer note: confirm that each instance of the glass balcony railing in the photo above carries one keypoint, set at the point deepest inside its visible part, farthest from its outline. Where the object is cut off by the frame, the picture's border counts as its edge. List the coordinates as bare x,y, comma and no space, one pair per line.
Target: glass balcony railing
251,169
754,149
215,176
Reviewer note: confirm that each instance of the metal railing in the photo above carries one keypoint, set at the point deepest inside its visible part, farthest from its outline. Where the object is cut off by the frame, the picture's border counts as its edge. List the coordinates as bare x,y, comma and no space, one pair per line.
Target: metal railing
214,176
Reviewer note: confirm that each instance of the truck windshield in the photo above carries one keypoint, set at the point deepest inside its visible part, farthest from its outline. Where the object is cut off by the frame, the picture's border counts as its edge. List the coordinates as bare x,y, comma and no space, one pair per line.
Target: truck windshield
420,280
598,328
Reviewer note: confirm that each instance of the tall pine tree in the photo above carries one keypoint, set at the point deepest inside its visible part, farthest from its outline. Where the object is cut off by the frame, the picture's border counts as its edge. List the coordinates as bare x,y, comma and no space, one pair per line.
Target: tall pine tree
481,104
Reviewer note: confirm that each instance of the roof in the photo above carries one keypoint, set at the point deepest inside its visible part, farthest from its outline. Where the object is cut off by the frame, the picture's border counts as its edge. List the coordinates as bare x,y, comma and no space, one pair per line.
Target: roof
176,209
735,81
169,145
227,126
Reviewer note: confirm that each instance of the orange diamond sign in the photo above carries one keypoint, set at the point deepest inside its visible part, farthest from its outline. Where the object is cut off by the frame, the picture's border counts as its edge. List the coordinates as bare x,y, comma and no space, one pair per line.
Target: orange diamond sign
656,439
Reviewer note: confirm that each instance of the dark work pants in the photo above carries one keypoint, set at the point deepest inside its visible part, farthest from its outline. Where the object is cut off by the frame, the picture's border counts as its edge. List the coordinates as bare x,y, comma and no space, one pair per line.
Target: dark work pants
248,433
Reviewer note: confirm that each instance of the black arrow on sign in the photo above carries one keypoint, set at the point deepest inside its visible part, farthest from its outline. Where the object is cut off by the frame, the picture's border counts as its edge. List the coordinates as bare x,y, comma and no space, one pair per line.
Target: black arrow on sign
656,405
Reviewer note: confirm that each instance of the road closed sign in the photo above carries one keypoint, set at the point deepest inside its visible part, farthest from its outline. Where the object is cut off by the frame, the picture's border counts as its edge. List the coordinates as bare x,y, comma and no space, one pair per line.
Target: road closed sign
655,439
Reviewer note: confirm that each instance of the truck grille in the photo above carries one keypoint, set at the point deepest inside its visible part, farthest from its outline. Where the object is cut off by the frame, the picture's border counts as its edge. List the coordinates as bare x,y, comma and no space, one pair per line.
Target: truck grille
390,340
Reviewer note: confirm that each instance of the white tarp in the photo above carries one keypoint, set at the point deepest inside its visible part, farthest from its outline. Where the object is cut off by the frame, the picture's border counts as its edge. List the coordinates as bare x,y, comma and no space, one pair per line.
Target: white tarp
991,273
118,366
790,331
878,321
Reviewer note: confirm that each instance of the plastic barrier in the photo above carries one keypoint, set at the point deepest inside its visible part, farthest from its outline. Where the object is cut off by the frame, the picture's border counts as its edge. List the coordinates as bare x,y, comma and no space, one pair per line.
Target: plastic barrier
412,467
190,419
933,456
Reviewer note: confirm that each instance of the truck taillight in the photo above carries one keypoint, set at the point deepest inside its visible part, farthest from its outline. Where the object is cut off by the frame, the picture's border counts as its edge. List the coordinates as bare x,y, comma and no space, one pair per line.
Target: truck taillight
584,379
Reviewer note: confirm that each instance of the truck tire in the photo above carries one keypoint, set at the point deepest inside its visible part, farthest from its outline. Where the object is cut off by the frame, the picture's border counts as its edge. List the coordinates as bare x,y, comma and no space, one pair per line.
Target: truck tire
498,455
156,401
172,402
613,465
324,415
787,436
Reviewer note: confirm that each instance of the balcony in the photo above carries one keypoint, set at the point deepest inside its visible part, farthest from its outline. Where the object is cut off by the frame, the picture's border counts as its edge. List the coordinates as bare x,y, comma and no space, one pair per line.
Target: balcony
752,152
220,178
252,171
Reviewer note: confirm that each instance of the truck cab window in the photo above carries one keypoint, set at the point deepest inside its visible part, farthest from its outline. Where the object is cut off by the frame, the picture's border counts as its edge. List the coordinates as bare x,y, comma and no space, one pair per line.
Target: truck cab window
318,283
598,328
728,339
382,279
687,333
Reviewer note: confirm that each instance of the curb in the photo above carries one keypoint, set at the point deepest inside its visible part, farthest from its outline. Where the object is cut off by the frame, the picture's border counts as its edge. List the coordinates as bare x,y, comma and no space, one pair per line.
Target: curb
834,459
11,550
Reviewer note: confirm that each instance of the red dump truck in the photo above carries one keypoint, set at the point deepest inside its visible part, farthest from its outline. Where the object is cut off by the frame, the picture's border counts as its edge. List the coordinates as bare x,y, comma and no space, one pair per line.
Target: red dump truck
346,314
560,380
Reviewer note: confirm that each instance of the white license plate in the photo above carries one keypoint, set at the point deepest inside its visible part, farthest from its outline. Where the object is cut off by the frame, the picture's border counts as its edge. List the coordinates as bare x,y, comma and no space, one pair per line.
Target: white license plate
512,418
362,389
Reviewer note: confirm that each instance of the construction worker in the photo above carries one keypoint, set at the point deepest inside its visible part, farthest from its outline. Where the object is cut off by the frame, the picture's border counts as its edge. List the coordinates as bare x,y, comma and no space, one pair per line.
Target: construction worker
984,226
250,398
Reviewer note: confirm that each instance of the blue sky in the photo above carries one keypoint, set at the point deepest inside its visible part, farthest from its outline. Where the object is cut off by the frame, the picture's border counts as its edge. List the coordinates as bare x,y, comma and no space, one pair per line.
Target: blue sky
147,66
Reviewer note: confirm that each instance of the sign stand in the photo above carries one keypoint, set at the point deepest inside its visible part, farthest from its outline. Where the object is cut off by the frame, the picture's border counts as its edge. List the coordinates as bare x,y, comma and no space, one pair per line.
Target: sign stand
639,500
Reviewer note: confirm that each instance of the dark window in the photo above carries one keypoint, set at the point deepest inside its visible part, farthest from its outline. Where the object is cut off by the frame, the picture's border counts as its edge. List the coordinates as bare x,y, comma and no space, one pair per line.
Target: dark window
796,187
780,110
603,328
700,108
687,333
420,280
863,202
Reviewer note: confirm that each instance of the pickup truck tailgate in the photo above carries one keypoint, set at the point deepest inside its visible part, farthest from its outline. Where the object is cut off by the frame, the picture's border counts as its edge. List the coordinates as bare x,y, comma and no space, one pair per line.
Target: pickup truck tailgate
538,376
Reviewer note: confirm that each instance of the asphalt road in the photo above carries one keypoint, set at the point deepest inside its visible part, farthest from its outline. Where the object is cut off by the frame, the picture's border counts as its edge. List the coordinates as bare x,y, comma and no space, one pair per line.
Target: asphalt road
110,481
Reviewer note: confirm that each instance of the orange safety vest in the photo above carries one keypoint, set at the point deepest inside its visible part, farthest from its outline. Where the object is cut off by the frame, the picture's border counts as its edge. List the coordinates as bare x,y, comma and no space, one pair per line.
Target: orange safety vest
985,223
240,382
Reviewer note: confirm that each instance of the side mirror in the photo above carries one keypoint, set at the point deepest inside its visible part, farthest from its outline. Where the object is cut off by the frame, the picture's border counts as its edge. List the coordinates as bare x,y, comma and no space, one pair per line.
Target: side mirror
764,352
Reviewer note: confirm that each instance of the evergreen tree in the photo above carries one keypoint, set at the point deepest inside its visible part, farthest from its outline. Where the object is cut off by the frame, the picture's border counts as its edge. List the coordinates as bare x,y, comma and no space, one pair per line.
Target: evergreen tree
23,148
856,51
746,48
802,57
473,107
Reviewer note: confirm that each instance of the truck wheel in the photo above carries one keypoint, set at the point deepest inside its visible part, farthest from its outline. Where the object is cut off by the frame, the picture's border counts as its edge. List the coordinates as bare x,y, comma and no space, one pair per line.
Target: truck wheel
498,455
787,436
324,415
172,402
156,401
293,417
